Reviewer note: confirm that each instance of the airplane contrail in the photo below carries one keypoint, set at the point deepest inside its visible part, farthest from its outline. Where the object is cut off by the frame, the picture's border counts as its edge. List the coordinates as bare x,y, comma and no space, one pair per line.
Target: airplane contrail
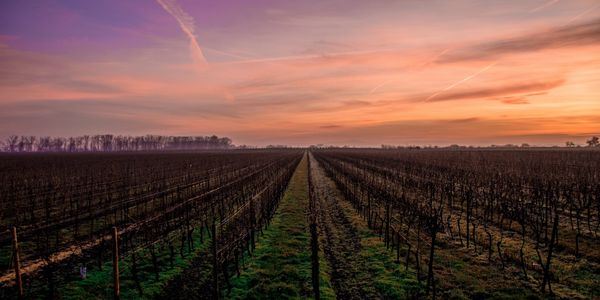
225,53
380,85
428,61
583,14
547,4
460,81
186,23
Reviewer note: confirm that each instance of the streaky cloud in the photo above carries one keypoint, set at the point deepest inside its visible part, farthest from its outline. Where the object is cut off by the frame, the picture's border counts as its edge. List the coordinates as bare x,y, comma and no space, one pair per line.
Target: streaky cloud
519,88
571,35
545,5
460,82
587,11
186,23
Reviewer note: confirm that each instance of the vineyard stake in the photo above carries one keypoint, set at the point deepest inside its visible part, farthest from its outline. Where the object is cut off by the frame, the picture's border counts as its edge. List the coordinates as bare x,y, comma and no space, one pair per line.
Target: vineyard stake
17,263
315,260
216,292
115,237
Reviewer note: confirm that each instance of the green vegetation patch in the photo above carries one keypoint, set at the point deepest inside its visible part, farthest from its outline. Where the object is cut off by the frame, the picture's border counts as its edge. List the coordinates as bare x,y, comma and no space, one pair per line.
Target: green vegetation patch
280,267
392,280
99,283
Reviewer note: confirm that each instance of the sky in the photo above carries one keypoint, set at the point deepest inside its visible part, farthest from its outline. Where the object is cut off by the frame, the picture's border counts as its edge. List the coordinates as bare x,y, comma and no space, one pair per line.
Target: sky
361,73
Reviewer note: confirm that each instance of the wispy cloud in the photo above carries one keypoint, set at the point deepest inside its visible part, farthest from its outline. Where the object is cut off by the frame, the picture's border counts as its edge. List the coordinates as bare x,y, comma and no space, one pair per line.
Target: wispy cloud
380,86
545,5
582,14
464,120
352,74
507,89
514,100
460,82
186,23
427,62
332,126
571,35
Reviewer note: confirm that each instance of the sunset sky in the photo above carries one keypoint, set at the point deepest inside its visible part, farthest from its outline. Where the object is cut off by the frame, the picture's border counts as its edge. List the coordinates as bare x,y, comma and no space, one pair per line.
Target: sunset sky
304,72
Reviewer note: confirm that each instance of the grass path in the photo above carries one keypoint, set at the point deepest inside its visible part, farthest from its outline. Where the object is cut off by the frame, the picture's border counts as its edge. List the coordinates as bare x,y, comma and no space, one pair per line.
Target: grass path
280,267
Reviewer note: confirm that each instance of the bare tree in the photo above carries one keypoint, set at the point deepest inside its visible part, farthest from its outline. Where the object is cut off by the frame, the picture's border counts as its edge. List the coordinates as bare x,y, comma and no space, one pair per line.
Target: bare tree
11,143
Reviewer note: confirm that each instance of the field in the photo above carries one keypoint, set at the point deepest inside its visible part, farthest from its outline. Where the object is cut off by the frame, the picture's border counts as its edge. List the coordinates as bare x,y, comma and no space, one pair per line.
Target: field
294,223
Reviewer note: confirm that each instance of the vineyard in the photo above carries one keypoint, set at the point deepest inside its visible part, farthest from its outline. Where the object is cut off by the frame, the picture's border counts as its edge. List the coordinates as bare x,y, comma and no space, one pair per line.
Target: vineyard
291,223
67,210
481,220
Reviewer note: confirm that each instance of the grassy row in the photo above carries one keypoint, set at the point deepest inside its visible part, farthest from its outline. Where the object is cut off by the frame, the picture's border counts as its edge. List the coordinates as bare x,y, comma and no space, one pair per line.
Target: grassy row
280,267
391,279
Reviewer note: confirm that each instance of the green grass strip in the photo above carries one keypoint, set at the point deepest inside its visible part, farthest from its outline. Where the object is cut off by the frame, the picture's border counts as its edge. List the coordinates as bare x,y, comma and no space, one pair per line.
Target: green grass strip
391,279
280,267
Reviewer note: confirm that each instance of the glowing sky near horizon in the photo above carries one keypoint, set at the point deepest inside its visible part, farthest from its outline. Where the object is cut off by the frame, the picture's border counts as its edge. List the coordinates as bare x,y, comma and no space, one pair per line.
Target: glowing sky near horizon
335,72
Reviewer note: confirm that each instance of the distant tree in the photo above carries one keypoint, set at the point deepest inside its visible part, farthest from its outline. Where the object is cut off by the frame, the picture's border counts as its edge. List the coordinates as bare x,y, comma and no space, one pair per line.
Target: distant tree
32,143
85,142
524,145
570,144
593,142
277,146
12,143
225,142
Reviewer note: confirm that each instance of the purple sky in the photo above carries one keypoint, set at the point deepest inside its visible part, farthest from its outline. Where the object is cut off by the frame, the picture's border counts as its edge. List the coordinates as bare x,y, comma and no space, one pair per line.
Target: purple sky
304,72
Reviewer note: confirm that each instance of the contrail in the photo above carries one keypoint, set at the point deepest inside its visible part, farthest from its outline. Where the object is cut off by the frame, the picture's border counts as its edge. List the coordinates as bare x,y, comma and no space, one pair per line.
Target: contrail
435,57
428,61
583,14
186,23
547,4
225,53
380,85
460,81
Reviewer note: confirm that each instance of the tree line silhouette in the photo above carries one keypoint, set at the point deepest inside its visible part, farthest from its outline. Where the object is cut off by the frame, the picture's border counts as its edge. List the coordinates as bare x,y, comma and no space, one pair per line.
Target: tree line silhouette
110,143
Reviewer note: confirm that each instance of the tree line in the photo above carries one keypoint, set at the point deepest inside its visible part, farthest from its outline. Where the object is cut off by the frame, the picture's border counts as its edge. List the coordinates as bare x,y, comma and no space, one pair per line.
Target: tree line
110,143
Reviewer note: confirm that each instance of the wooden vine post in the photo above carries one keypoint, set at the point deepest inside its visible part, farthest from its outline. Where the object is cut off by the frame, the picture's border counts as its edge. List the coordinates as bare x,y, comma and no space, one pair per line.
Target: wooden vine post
19,282
315,260
216,292
117,289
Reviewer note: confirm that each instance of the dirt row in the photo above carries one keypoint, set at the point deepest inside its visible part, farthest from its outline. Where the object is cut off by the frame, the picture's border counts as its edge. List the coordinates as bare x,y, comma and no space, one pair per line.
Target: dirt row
350,276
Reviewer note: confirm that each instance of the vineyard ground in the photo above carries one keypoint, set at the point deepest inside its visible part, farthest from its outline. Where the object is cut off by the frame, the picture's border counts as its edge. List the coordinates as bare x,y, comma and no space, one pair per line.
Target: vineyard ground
464,272
280,266
354,260
362,266
98,284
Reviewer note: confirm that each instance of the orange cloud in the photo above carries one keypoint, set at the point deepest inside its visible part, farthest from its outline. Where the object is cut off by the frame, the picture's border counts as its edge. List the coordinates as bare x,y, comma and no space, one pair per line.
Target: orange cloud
509,89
